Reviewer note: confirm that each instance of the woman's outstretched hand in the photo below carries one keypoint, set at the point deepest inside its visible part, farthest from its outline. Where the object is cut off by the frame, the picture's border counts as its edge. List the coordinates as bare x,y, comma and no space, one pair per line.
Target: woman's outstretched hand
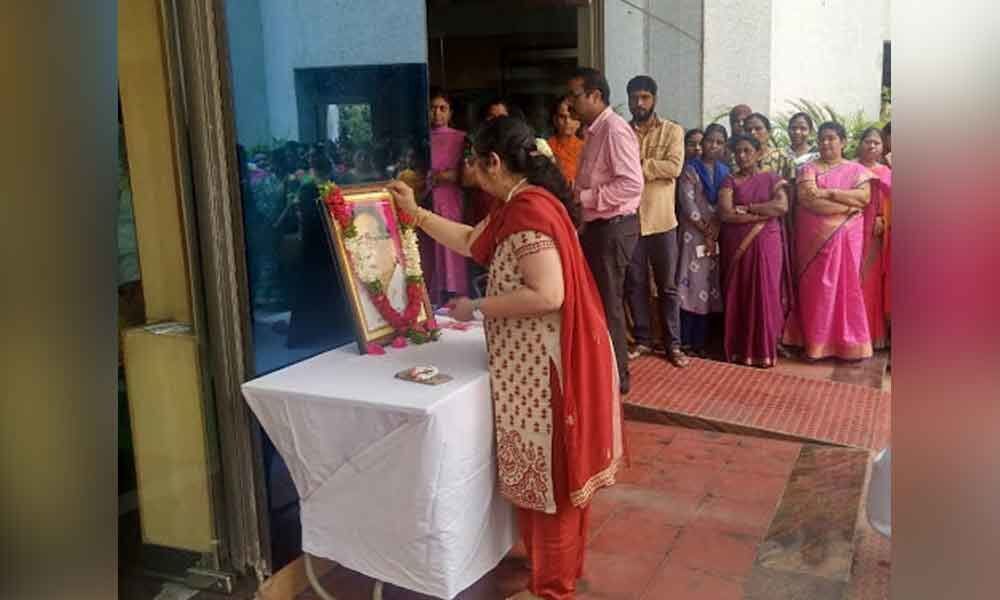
403,196
462,309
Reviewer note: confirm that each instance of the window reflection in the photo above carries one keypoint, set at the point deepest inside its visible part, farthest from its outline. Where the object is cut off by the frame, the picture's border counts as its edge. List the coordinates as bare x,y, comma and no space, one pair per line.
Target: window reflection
303,116
356,125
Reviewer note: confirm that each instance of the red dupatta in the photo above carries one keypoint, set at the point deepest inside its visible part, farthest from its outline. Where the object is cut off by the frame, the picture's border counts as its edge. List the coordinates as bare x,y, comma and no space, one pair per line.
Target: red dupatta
591,416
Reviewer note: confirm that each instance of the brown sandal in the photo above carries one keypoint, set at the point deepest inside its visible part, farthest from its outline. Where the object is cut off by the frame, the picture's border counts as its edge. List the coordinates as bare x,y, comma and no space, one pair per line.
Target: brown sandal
677,358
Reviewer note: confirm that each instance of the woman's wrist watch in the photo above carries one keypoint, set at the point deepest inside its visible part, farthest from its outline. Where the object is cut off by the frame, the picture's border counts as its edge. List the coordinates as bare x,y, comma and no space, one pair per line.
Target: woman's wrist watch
477,314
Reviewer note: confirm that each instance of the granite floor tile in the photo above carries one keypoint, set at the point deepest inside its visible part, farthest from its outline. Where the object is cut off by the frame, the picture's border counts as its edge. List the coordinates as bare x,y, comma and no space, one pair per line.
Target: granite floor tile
813,529
769,584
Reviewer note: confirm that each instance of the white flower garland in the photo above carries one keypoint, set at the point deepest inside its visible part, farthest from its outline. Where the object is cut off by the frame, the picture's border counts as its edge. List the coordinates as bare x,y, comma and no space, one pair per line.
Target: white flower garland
411,253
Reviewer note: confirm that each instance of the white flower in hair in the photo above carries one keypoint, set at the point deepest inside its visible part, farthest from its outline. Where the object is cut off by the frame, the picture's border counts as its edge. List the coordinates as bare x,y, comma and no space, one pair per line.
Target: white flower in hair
542,147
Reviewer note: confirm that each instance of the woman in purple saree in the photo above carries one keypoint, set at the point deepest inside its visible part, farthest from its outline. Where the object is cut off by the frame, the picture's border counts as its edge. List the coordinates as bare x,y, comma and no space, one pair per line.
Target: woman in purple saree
448,271
754,280
829,318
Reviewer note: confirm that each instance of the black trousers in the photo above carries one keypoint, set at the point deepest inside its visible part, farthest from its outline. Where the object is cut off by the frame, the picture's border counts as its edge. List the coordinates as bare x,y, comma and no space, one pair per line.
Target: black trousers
608,246
661,251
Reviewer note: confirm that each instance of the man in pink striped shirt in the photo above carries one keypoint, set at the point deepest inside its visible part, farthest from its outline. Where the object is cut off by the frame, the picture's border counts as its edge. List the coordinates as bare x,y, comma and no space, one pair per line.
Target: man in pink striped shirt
608,187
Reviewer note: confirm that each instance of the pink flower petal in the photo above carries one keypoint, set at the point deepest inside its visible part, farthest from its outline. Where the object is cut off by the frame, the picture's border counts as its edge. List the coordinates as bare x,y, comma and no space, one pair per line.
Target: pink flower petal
373,348
399,342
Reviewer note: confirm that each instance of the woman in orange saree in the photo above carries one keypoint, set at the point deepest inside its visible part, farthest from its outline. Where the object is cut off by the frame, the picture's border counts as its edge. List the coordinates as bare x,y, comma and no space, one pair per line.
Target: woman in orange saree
829,317
873,262
566,144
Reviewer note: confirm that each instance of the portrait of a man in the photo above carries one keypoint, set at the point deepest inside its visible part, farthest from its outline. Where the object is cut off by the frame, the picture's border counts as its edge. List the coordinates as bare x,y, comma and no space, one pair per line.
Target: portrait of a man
376,225
375,249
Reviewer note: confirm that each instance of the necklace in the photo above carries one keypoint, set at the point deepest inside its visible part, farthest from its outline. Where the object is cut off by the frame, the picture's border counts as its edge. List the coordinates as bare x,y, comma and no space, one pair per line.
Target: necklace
516,187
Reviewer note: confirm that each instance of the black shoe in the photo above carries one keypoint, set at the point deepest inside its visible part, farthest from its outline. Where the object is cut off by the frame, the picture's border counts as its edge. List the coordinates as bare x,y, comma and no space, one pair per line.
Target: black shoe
624,385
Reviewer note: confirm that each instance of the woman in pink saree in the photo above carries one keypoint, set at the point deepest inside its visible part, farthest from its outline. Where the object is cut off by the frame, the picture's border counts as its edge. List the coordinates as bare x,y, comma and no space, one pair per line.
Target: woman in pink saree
448,270
829,318
754,276
874,255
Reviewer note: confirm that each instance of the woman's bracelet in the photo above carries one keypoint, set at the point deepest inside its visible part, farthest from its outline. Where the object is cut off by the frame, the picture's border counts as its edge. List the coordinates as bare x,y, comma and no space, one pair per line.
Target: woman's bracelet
420,216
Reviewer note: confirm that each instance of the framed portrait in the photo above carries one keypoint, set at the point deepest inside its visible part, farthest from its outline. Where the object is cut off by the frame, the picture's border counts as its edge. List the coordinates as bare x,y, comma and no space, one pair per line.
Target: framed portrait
379,264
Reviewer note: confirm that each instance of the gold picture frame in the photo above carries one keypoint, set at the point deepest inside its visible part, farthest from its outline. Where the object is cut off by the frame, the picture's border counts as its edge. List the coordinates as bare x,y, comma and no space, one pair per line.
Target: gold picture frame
380,225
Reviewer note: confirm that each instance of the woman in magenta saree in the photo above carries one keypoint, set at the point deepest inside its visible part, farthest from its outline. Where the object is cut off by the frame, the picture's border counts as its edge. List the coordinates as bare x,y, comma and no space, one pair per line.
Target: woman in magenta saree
448,270
754,274
829,317
873,261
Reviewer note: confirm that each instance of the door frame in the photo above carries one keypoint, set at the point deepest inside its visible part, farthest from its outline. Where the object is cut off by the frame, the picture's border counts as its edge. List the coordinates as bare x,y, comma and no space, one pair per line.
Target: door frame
199,68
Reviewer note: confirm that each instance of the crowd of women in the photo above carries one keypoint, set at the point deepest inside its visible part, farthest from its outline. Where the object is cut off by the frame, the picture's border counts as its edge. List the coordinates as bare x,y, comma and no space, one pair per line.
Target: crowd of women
803,235
783,250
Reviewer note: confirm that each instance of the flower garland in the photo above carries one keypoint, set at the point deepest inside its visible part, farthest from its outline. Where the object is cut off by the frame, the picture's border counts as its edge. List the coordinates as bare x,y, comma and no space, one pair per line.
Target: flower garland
363,258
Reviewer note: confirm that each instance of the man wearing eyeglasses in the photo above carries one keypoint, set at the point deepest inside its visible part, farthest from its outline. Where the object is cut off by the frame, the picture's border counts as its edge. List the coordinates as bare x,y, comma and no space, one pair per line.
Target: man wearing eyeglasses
608,188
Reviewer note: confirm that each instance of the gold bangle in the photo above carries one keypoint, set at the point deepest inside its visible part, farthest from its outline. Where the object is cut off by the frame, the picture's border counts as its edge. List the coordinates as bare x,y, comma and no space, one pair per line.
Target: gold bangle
420,217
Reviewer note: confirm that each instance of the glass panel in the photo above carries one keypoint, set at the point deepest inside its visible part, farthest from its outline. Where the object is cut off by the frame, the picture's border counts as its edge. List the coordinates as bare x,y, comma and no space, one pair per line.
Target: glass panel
322,90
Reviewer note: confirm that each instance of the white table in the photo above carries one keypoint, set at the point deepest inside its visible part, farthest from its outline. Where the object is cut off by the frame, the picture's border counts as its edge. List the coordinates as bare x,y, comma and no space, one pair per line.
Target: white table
396,479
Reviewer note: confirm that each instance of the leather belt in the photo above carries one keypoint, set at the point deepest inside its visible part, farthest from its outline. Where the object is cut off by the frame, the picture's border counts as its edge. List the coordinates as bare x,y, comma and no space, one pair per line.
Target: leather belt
613,220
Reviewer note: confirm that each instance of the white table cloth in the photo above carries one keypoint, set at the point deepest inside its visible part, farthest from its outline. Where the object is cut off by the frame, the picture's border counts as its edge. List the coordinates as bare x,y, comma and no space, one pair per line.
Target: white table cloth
396,479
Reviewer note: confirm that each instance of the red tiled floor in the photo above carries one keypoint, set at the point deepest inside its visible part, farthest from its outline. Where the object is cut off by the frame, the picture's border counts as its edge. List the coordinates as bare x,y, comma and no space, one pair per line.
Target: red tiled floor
635,531
748,487
686,451
718,552
775,458
673,508
682,478
617,576
683,522
674,582
735,516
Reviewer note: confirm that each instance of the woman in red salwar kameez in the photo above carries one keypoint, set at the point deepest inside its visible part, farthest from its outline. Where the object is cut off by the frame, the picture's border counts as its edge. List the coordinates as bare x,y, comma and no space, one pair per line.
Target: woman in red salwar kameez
553,378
